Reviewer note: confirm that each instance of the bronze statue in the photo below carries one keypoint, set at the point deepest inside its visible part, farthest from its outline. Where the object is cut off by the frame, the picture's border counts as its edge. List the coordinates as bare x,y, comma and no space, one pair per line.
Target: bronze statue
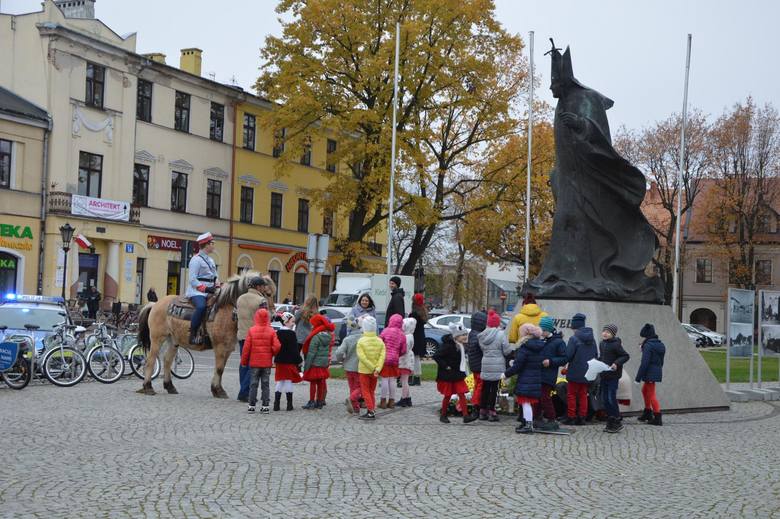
601,242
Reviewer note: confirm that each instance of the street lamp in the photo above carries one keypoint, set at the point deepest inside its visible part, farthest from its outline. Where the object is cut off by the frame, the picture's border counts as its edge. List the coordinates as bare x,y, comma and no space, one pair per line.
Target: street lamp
66,232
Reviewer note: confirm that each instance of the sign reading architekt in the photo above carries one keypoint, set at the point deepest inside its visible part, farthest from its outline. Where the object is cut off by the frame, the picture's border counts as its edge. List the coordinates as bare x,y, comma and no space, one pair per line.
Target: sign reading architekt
100,208
164,243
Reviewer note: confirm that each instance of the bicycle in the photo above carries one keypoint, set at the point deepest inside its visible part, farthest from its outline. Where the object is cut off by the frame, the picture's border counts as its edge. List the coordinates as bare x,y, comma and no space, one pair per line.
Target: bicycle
183,364
105,362
63,364
20,373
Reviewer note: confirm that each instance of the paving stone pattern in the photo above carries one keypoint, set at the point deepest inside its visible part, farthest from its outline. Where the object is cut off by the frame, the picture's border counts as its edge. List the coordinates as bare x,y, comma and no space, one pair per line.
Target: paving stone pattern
104,451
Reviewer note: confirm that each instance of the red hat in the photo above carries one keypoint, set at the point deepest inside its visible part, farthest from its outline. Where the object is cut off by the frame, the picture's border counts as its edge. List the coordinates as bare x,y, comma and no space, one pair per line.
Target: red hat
493,320
418,299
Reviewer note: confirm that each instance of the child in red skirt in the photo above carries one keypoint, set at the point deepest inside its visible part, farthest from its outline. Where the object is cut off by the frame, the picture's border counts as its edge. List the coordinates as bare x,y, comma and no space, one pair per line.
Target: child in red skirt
528,368
450,360
317,348
286,362
395,346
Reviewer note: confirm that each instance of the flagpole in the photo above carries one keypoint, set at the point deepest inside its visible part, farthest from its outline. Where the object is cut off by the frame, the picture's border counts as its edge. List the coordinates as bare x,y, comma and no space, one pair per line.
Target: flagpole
530,142
676,307
392,153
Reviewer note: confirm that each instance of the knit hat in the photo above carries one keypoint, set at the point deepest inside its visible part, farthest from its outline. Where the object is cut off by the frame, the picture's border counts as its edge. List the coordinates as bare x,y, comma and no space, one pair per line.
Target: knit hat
418,299
353,324
547,323
396,280
529,329
457,330
286,316
529,299
648,330
493,320
368,324
578,321
611,328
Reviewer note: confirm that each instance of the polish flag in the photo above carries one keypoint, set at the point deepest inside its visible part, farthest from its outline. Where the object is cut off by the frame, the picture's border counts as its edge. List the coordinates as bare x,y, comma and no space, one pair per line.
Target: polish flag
83,242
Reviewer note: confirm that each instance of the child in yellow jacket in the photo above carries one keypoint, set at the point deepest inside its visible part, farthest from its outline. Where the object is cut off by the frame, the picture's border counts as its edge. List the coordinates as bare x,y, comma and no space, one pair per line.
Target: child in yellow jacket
371,358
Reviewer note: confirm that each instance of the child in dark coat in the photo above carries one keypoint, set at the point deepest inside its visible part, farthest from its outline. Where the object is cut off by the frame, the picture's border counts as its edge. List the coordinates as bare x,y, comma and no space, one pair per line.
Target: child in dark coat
580,349
554,355
612,354
478,324
528,367
450,360
650,371
286,362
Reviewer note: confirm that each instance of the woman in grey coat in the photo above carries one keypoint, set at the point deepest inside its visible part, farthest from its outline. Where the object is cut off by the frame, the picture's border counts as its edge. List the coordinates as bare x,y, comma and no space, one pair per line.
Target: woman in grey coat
494,346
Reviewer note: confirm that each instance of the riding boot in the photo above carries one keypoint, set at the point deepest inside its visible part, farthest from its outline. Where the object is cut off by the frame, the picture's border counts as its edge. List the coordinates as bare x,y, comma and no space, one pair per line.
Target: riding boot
194,336
277,400
289,401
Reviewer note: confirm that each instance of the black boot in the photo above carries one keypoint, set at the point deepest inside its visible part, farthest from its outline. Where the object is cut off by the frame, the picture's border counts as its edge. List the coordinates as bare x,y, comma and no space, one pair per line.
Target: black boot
289,401
194,339
656,419
443,417
646,415
610,427
277,400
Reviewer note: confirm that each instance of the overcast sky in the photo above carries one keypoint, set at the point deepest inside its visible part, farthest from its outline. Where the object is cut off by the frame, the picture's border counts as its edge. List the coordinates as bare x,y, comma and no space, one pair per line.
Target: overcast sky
632,52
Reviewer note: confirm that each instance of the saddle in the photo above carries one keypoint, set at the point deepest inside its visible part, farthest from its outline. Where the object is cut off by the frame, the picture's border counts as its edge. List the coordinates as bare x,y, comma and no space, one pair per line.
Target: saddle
182,308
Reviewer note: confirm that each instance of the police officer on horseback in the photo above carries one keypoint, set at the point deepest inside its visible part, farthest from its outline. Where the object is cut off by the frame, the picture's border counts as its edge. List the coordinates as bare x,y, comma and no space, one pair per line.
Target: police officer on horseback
202,281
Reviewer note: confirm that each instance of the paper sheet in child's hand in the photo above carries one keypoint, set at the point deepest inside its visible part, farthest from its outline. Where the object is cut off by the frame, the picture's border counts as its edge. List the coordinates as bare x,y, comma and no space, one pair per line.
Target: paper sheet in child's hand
594,368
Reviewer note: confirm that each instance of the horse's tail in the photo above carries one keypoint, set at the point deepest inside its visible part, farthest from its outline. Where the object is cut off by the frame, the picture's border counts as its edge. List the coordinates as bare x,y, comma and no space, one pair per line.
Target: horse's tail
144,337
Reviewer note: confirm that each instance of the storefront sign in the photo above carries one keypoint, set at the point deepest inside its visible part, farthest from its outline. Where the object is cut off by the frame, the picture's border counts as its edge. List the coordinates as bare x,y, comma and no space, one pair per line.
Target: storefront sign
16,232
9,264
100,208
163,243
8,354
295,258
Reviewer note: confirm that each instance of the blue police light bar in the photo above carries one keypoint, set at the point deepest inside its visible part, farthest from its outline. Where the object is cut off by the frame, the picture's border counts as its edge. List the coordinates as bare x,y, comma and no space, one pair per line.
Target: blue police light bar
33,298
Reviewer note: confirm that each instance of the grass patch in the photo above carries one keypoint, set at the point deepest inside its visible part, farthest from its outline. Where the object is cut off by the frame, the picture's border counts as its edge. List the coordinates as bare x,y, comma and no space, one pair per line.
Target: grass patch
740,366
428,371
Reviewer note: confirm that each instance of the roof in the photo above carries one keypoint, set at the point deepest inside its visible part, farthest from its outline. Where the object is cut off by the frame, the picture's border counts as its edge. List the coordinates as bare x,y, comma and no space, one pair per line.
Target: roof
16,106
506,286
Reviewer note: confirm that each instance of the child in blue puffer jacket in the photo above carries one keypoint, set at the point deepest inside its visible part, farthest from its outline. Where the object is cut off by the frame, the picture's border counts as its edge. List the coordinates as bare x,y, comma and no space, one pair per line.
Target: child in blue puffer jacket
528,367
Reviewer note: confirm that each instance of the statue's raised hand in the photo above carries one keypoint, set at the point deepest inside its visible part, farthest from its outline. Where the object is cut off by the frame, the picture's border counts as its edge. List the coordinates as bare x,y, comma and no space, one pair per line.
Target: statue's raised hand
572,121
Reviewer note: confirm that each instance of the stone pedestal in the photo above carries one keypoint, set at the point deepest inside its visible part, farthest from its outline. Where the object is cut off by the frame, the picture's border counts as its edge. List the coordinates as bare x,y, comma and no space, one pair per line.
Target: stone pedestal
688,383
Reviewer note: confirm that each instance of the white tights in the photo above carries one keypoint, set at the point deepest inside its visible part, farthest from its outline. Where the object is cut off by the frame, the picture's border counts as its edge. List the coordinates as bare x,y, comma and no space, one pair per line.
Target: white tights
284,386
387,388
528,413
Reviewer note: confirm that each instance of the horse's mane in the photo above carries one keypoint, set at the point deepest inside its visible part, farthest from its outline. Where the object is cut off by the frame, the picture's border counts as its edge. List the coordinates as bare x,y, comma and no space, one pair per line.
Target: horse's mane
235,286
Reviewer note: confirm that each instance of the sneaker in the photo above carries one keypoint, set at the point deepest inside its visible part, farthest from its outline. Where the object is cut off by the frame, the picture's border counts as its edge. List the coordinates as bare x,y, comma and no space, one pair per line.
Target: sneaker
443,418
528,428
243,398
569,420
580,420
264,410
493,417
250,409
483,415
368,416
469,418
549,425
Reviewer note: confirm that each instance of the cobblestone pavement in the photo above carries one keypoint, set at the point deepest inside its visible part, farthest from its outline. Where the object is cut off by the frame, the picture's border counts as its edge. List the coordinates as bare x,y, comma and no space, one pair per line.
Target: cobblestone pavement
104,451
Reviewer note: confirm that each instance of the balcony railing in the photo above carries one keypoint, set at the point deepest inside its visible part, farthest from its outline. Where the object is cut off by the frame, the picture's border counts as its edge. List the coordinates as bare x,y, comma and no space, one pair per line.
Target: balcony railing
60,203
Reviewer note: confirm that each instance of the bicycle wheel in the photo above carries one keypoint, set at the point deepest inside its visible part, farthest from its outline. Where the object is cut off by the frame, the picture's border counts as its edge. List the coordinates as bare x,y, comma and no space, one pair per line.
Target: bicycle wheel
183,365
137,359
105,363
64,367
18,375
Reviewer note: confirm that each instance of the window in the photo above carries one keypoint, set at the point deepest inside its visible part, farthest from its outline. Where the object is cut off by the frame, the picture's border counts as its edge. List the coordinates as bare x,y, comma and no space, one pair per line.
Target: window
275,278
276,209
765,223
703,270
141,185
327,222
178,192
143,106
306,157
330,164
247,203
763,272
140,264
324,286
217,124
5,164
182,113
249,132
303,215
172,284
299,287
213,197
279,136
96,76
90,173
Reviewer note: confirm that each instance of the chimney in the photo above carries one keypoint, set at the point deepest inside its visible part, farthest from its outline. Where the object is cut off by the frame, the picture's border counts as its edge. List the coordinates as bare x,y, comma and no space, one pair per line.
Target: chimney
77,8
191,60
159,57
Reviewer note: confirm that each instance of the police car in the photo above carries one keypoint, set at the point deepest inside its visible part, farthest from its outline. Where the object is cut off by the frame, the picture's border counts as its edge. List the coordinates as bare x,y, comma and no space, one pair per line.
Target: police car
17,312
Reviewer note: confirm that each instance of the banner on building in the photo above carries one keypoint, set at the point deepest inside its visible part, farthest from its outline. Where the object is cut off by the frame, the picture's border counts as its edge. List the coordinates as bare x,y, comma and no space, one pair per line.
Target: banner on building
769,321
100,208
741,311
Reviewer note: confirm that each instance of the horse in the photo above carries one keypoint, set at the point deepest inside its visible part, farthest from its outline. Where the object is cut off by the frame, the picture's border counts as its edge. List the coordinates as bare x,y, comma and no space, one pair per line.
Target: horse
157,328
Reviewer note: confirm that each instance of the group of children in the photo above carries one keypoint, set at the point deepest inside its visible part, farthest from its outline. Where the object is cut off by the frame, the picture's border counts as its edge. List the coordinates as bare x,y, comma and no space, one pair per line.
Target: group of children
535,357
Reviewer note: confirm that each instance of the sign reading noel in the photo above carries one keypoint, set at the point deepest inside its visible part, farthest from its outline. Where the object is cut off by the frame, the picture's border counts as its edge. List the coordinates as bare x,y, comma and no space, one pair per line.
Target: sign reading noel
163,243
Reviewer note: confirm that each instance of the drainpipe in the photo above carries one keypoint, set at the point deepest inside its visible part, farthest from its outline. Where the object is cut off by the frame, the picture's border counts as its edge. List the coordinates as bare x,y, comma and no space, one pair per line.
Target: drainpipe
44,202
232,189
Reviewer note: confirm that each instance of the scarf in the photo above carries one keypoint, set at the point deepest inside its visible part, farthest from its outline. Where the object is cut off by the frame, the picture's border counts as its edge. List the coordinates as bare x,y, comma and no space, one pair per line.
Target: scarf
319,324
463,366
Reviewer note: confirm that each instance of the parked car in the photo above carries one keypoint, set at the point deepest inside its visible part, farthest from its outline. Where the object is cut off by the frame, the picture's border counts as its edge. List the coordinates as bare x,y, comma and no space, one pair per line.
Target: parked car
43,312
433,339
698,338
717,338
443,321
